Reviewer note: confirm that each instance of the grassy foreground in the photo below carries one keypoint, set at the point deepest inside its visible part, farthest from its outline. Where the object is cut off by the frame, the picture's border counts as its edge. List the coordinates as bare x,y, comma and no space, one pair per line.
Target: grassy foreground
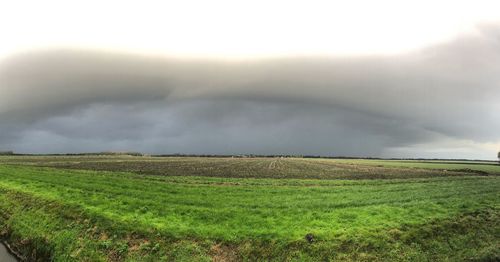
92,215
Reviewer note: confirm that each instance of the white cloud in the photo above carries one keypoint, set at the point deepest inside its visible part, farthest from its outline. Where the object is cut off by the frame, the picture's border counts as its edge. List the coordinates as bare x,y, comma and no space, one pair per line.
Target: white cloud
229,28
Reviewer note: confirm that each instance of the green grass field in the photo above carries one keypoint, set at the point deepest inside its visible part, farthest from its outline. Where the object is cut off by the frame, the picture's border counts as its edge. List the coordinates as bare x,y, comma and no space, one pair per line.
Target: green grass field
249,209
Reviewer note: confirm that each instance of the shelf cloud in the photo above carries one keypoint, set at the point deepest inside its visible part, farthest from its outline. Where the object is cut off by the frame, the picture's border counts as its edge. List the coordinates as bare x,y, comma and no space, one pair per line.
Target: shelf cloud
439,101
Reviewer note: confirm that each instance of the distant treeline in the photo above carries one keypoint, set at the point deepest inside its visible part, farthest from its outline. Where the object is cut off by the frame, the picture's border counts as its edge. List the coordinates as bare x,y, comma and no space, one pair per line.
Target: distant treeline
309,156
82,154
112,153
6,153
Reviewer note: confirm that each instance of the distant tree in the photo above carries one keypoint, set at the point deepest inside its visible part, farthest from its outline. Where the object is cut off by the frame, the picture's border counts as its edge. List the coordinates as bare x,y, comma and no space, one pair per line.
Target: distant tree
6,153
498,157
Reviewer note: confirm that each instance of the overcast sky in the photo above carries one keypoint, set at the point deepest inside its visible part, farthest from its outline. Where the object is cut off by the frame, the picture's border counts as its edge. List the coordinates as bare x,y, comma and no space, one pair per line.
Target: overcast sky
391,79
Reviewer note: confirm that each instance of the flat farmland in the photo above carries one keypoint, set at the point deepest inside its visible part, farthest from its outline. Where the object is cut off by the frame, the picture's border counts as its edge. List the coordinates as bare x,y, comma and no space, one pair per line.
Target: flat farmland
299,168
124,208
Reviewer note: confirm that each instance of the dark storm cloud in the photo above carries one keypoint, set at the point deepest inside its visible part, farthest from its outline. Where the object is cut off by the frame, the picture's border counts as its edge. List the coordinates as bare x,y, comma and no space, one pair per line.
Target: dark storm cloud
70,101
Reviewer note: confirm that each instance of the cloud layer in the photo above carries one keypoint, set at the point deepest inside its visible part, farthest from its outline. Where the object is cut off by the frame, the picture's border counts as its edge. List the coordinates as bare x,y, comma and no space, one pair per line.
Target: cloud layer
441,101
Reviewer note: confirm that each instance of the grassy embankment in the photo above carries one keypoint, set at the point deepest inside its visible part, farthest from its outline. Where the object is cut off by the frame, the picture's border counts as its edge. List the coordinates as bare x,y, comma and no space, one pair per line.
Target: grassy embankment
96,215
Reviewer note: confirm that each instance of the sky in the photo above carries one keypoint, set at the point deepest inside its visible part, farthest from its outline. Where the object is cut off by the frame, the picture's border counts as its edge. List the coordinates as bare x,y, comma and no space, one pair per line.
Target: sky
334,78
